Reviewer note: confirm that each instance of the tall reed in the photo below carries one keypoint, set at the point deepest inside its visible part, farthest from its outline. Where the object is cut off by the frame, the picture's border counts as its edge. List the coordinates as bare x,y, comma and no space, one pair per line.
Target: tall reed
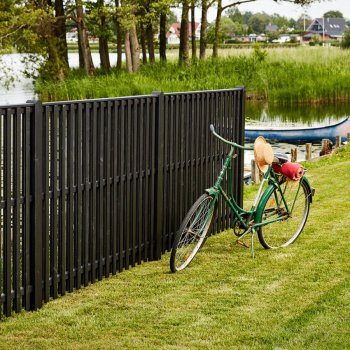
283,76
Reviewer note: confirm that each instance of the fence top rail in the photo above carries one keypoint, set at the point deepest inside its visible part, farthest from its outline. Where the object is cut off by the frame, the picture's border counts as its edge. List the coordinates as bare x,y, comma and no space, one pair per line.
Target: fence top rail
109,99
203,92
15,106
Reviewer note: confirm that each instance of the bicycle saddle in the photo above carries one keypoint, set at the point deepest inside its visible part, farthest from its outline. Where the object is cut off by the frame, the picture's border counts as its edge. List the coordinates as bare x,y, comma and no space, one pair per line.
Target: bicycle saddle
280,158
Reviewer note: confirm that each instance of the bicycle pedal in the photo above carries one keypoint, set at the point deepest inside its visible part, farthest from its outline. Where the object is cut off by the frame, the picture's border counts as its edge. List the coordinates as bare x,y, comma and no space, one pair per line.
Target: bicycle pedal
241,243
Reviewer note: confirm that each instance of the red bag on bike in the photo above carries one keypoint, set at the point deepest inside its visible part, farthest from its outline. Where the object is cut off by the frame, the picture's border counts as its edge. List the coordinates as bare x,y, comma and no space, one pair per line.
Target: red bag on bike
293,171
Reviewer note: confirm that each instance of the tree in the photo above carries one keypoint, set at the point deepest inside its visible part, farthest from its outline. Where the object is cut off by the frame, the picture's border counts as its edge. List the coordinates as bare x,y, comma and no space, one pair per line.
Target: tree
119,34
345,43
303,22
206,4
229,28
193,29
148,19
37,27
221,8
60,29
103,35
183,49
235,15
259,21
98,18
128,21
279,21
83,41
162,35
166,18
333,14
219,11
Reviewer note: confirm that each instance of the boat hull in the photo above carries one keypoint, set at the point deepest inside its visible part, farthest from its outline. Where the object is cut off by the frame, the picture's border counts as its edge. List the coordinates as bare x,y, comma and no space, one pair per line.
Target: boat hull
301,134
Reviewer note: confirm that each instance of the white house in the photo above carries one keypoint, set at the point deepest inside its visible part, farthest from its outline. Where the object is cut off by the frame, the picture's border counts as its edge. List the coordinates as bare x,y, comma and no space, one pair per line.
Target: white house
173,35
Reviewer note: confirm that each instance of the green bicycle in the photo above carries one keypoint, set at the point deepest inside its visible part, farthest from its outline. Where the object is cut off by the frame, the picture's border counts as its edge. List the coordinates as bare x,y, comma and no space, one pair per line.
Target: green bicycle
278,213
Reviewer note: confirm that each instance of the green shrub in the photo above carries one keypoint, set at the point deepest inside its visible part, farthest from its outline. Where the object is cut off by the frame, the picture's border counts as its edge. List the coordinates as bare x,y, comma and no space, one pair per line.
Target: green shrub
345,43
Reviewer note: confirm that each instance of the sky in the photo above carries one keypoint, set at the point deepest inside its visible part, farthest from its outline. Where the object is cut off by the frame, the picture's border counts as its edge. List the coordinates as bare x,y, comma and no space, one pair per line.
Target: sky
290,10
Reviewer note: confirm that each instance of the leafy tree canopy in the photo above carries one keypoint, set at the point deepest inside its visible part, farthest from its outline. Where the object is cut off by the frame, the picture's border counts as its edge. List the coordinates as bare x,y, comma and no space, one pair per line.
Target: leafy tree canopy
333,14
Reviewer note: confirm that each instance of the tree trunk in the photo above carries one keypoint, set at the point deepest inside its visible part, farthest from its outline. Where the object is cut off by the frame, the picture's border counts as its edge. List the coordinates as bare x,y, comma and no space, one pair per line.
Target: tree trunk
150,43
104,54
183,50
162,37
83,40
193,30
143,44
54,36
217,29
128,59
204,25
135,48
103,42
81,58
60,31
119,38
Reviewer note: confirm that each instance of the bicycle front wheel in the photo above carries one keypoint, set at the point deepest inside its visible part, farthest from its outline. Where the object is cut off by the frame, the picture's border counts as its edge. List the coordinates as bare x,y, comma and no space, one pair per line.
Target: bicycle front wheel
284,223
192,233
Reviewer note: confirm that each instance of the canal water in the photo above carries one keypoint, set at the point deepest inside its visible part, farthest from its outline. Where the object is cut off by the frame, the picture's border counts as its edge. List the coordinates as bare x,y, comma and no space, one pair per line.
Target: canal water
260,114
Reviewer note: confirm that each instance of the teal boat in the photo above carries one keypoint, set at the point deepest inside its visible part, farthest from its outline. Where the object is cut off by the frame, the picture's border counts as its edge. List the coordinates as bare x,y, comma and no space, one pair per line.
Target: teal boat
311,134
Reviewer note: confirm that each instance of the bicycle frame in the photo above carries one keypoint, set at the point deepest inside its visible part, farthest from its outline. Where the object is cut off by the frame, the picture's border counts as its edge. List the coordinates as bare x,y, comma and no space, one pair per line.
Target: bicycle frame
245,217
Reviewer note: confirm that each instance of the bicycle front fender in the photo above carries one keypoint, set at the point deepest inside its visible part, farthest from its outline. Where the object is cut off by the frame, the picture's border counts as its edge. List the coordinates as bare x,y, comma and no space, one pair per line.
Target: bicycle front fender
212,191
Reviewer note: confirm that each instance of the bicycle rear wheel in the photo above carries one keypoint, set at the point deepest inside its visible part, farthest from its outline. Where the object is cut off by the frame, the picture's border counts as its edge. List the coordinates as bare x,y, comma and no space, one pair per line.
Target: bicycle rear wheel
285,231
192,233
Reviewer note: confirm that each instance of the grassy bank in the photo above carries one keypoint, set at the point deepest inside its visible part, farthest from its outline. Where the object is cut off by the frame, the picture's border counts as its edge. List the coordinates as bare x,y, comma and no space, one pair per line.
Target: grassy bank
293,298
293,75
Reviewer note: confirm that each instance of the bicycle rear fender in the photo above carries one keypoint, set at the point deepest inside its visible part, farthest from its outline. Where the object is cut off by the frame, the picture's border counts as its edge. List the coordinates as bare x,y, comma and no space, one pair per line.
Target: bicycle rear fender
308,186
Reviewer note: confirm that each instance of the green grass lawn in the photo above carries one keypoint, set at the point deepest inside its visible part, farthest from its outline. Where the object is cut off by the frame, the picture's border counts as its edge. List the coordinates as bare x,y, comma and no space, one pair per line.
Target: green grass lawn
293,298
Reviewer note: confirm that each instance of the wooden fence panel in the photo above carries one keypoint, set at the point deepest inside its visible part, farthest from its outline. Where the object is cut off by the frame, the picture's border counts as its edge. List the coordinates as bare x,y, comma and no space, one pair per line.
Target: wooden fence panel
90,188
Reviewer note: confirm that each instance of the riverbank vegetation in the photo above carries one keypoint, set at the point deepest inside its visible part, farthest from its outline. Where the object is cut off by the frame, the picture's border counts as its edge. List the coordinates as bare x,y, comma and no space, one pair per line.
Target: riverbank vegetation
42,28
292,298
282,76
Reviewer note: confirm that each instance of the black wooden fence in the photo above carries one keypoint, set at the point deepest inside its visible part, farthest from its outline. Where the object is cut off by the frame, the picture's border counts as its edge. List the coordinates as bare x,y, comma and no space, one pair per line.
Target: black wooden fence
89,188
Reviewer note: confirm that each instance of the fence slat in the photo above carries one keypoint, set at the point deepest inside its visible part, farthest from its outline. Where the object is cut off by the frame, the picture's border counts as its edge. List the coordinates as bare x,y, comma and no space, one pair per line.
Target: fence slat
78,204
54,203
17,210
62,200
7,215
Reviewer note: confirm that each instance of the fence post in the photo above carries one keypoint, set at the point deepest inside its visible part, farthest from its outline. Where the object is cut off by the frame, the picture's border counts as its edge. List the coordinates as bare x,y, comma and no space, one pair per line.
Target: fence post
36,219
308,151
159,149
337,141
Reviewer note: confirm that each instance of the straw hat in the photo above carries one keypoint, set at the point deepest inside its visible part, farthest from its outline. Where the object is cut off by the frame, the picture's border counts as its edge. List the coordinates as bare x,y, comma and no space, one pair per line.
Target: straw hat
263,154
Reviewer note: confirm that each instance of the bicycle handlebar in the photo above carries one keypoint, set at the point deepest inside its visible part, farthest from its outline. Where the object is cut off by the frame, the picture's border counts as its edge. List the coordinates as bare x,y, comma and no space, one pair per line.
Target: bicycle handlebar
212,129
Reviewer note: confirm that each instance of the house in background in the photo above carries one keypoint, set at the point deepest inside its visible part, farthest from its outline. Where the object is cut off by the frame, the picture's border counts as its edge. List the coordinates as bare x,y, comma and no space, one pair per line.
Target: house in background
271,28
329,28
173,35
72,35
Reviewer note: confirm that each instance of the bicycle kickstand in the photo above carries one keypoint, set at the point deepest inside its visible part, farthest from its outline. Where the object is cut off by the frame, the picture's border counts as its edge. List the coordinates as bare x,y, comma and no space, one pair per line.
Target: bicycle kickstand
252,244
